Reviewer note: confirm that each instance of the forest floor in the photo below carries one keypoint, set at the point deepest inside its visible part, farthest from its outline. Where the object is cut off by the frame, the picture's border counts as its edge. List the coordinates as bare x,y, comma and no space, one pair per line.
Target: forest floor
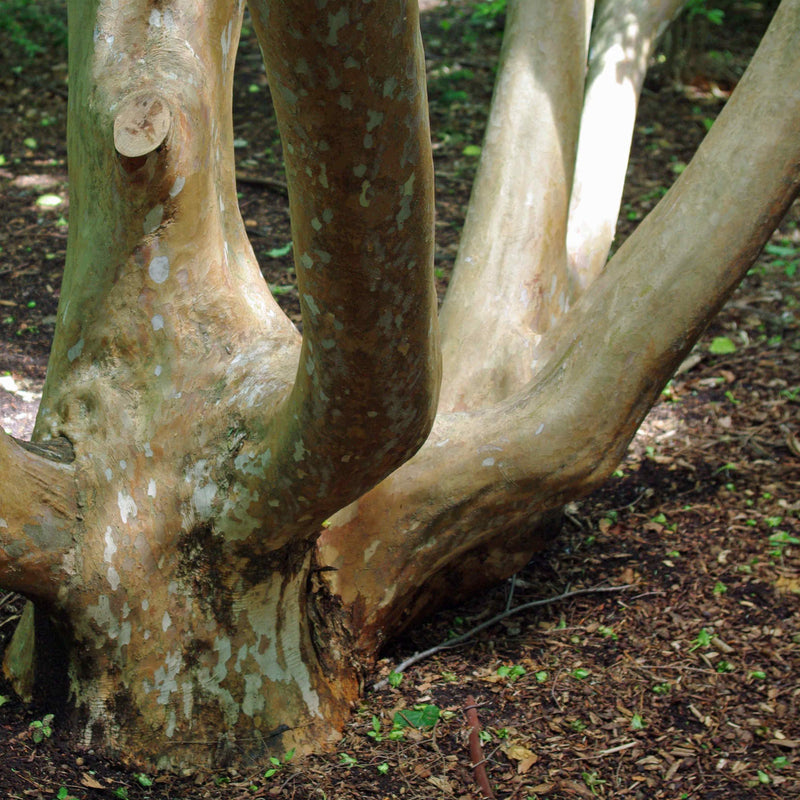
681,683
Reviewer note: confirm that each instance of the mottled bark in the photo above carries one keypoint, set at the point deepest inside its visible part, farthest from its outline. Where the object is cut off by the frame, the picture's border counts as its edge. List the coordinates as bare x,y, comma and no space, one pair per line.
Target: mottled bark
209,441
191,445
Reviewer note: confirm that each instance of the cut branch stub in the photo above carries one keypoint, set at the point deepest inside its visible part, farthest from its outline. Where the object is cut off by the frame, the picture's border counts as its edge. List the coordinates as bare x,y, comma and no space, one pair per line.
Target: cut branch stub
141,125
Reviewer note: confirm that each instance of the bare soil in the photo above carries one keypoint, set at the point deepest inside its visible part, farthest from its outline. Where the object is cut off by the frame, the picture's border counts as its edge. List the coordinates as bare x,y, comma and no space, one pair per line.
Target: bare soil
680,683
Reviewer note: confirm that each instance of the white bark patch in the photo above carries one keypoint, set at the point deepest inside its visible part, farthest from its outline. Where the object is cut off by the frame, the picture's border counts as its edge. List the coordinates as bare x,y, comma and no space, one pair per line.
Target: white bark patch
363,200
151,488
165,681
188,699
75,350
277,652
177,186
166,621
225,43
389,86
157,371
157,322
374,118
153,219
145,604
127,506
223,647
112,576
109,474
539,429
111,546
159,269
3,523
487,462
155,19
335,23
370,551
311,303
148,450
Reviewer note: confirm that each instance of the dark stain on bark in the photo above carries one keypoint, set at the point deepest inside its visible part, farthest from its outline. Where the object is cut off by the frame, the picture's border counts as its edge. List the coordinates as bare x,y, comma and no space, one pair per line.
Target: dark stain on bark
201,565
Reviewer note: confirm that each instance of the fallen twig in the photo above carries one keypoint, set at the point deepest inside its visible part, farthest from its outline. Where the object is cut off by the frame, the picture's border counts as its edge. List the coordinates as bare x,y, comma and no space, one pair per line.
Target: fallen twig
475,749
461,638
257,180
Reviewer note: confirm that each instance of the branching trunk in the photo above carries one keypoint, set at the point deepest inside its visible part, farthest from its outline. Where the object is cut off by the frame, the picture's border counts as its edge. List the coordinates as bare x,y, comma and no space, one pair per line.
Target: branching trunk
191,445
472,506
209,443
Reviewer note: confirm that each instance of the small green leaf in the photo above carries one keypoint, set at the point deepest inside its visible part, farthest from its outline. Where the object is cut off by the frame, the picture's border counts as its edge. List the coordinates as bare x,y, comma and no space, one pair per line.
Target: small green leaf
30,143
637,723
720,588
395,679
280,252
143,780
383,768
721,346
541,676
580,674
422,716
472,150
49,201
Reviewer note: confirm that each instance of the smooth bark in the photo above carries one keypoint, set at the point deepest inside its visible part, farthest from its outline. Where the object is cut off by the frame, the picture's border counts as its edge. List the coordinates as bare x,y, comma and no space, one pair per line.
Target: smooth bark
624,37
510,279
191,445
474,504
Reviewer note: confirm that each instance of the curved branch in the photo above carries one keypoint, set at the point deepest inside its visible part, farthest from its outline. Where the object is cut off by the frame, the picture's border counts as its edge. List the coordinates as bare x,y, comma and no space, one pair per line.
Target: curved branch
38,516
510,277
623,39
484,480
349,93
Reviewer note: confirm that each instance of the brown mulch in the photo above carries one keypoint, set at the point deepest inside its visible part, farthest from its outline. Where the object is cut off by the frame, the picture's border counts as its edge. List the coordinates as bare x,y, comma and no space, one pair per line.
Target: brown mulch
683,685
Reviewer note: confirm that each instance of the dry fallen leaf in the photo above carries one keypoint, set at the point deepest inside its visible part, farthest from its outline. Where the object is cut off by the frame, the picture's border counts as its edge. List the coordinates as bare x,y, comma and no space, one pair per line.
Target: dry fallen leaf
524,756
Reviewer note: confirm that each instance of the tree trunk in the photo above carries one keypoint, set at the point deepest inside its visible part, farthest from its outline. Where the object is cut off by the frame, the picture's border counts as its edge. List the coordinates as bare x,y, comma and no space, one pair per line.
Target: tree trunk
214,514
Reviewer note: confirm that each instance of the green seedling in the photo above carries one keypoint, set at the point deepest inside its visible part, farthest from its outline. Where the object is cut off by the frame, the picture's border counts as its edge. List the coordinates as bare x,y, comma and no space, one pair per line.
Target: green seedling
637,723
41,729
703,639
346,760
593,782
607,632
513,672
721,346
580,674
395,679
278,763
